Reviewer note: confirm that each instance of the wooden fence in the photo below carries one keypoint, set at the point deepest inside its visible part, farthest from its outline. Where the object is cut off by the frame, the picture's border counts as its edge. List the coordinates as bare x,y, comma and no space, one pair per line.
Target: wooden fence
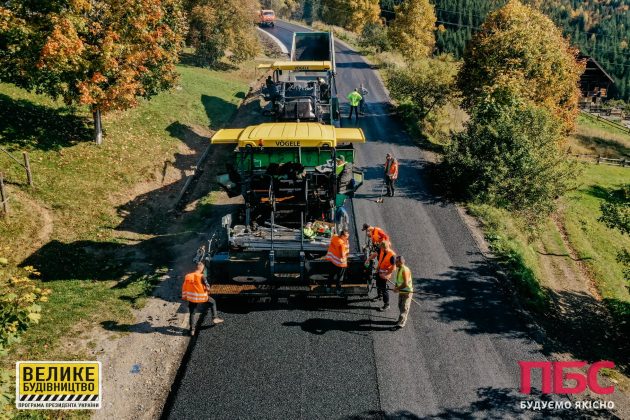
597,159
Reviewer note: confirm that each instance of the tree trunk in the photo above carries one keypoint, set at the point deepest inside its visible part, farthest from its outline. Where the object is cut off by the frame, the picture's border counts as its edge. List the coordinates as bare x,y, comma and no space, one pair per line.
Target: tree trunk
98,128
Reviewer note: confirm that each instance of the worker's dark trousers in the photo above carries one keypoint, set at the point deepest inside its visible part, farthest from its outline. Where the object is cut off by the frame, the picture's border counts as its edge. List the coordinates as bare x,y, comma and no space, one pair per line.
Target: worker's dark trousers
336,274
381,289
203,308
356,112
391,185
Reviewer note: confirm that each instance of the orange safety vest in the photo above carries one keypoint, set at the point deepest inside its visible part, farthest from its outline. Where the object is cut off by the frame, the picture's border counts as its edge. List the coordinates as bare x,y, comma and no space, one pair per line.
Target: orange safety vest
385,264
391,168
338,251
379,235
193,289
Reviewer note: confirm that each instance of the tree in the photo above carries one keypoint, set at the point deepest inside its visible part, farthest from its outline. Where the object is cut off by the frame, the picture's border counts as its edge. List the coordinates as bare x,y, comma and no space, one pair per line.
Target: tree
520,48
425,84
509,157
350,14
217,26
105,54
422,89
412,31
374,35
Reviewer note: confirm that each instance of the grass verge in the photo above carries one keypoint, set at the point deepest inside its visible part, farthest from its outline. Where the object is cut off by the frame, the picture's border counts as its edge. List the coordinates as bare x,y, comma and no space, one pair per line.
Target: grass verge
93,208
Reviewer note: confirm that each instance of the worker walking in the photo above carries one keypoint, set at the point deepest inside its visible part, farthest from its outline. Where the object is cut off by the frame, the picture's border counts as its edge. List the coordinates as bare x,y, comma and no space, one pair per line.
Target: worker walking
364,92
404,288
375,235
337,254
355,99
391,174
386,265
195,291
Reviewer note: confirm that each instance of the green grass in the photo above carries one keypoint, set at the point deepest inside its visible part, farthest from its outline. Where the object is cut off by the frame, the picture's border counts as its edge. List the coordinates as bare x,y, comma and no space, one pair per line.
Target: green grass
81,185
593,241
509,242
598,138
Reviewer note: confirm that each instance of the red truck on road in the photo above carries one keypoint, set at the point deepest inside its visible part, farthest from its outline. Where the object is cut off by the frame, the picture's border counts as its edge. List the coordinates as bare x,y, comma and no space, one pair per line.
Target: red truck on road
267,18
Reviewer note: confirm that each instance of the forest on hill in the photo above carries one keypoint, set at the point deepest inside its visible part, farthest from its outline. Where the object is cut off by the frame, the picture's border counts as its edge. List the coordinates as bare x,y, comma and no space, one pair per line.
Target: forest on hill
599,28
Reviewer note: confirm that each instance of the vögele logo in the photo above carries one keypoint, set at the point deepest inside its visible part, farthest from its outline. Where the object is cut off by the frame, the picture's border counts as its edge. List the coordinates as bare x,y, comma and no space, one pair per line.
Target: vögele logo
554,377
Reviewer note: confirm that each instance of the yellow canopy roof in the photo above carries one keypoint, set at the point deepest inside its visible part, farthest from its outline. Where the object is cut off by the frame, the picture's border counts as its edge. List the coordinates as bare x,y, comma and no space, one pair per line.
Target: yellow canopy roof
290,134
297,65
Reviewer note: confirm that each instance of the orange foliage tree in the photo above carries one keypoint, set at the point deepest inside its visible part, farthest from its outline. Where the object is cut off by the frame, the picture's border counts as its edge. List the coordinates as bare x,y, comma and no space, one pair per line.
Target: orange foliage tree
521,50
106,54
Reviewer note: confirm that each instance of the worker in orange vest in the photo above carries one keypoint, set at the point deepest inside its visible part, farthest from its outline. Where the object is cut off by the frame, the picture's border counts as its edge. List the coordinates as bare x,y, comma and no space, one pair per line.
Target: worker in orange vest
337,254
391,173
195,291
375,235
386,265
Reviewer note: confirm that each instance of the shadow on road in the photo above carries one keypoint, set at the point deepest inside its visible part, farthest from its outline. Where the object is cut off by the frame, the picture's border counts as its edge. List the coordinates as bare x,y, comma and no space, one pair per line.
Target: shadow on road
321,326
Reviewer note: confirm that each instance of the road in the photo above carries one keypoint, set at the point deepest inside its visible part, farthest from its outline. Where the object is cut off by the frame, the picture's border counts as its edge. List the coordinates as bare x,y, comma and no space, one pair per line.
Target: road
456,358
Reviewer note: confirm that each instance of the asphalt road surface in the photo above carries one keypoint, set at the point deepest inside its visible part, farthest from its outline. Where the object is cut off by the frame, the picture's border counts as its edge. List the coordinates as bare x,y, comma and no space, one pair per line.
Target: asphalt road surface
456,358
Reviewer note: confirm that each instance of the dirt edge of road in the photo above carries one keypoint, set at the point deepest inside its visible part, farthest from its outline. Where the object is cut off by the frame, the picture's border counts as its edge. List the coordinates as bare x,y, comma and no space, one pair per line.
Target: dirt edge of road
141,360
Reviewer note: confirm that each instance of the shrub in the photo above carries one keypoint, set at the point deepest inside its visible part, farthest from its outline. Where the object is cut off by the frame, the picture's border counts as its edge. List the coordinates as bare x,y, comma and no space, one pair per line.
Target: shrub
509,156
374,35
19,307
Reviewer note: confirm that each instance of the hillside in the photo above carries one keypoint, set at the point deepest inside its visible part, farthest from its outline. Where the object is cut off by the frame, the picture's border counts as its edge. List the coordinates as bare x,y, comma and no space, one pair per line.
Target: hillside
599,28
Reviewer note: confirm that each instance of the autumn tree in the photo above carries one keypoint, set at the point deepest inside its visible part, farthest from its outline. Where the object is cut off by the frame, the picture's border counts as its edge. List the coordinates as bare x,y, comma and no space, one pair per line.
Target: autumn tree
106,54
219,26
520,48
412,31
352,15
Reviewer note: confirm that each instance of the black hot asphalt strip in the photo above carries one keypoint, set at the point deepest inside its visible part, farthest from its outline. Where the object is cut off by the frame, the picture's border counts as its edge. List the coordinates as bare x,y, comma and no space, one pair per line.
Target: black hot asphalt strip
457,357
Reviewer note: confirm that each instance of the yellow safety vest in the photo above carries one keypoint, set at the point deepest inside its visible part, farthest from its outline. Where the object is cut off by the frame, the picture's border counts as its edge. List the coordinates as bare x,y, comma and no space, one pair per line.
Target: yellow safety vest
354,98
400,280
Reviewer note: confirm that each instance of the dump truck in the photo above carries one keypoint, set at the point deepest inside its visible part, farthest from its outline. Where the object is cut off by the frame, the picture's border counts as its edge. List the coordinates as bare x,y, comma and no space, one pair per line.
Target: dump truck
304,88
289,174
267,17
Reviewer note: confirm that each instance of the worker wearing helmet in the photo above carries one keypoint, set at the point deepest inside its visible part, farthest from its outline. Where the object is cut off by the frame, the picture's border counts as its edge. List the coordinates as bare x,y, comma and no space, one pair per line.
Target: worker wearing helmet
375,235
404,288
386,265
337,254
355,100
195,291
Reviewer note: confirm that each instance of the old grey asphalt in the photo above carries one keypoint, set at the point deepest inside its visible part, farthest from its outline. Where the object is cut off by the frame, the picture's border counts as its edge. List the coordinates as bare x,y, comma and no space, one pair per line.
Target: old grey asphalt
457,357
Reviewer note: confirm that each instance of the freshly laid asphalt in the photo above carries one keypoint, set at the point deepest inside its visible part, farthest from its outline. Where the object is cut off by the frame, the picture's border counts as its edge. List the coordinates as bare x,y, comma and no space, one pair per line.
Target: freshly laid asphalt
456,358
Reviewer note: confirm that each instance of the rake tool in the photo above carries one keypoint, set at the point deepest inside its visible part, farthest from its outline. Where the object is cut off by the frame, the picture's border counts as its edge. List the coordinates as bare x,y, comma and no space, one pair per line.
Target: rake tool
380,198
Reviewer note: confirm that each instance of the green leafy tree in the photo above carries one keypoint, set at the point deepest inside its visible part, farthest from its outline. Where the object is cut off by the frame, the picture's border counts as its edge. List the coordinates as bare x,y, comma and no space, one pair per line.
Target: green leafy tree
425,84
509,156
374,35
520,48
412,32
218,26
106,54
422,89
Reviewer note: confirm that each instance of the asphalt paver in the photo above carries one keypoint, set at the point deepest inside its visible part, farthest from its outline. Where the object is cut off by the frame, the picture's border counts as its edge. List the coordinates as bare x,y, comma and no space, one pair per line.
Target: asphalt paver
456,358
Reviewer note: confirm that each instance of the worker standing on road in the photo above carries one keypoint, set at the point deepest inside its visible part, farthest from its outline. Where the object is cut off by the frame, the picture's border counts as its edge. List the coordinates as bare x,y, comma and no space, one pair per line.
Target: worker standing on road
391,173
195,291
355,99
337,254
375,235
364,92
386,265
404,287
